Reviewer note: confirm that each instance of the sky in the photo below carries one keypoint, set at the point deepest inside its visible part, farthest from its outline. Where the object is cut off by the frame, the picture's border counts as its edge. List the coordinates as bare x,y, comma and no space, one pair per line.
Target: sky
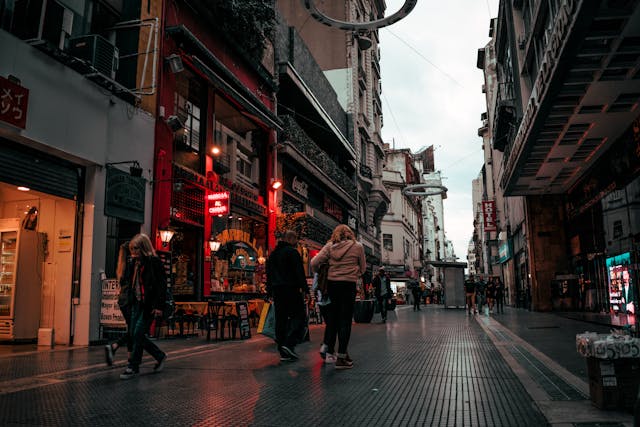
432,95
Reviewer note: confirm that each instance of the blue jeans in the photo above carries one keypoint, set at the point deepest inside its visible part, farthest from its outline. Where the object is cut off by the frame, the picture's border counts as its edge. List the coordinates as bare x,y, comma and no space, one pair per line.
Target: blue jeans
139,328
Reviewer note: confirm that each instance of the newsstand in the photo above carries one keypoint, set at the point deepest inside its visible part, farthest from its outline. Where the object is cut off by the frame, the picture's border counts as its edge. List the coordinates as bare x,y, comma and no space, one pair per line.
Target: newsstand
613,368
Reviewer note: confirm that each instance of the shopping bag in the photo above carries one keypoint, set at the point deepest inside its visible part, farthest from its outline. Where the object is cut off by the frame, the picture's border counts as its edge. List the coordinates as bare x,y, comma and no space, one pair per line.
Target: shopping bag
267,323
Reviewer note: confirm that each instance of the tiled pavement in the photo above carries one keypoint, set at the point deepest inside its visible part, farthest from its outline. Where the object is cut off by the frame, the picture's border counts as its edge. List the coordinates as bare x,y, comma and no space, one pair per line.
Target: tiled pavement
433,367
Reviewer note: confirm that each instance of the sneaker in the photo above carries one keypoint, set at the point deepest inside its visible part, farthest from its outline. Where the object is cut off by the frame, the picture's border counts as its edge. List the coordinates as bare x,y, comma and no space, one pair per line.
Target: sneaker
289,352
108,354
128,374
284,358
323,351
331,358
344,363
159,366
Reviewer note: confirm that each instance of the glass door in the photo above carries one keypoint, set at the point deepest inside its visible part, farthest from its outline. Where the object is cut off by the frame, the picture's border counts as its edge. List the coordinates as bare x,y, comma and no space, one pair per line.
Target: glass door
8,245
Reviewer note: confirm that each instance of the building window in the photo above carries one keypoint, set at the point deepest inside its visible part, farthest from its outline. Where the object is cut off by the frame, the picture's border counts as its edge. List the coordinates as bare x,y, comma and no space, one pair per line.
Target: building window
617,229
187,107
387,242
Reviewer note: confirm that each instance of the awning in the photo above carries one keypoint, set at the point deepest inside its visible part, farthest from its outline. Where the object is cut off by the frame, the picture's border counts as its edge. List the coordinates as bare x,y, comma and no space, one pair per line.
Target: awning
221,77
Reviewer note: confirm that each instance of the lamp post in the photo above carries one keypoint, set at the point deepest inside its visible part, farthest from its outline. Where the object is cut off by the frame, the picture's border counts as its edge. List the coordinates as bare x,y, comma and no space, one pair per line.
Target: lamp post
165,236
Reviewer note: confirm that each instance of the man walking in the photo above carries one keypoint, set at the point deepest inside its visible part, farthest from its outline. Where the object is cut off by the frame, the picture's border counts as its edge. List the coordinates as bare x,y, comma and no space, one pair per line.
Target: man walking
415,293
287,284
382,291
470,293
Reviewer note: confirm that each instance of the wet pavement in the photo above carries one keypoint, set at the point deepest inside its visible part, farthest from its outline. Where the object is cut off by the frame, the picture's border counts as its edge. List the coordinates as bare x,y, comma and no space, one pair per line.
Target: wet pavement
433,367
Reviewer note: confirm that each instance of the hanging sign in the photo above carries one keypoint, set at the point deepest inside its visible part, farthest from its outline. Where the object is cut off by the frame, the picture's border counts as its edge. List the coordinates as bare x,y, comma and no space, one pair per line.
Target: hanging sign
218,203
14,100
489,215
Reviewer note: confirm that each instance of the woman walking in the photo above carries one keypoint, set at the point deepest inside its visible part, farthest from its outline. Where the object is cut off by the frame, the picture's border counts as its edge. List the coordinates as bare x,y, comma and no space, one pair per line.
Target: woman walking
346,265
149,290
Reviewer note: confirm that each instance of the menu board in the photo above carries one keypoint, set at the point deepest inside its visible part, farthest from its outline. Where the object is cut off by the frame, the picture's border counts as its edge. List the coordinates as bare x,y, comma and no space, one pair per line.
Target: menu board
165,257
243,315
110,314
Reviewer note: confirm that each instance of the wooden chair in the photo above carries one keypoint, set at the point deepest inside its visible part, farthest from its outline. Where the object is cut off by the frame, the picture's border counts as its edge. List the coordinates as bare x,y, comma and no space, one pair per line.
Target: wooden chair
215,319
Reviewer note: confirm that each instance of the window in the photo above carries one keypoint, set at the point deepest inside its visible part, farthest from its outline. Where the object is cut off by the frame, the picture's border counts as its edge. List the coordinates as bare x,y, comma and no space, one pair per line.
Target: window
617,229
387,242
244,166
188,102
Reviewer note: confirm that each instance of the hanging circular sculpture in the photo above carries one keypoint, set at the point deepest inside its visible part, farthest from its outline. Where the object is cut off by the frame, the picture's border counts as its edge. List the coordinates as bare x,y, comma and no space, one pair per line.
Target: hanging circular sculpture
358,26
424,190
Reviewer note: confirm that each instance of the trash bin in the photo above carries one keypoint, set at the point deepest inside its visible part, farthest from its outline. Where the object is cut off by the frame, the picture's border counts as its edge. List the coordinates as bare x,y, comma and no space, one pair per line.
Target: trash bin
363,311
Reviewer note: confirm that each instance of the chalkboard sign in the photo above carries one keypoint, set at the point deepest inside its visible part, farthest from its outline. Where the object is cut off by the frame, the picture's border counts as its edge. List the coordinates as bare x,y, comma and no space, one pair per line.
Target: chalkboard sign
165,257
243,314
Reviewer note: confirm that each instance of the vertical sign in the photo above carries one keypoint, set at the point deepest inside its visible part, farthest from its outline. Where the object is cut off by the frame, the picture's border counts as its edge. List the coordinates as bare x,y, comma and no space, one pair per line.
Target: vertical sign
14,100
243,315
489,215
110,314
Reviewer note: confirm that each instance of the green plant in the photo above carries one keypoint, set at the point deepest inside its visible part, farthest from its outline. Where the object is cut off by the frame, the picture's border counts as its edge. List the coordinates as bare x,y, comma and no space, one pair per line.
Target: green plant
247,22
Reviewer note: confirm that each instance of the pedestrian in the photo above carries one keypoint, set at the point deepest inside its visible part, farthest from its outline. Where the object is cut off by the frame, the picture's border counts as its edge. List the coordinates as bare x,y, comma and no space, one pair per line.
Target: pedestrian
124,302
382,292
149,291
500,293
415,293
287,284
470,294
490,292
347,263
481,296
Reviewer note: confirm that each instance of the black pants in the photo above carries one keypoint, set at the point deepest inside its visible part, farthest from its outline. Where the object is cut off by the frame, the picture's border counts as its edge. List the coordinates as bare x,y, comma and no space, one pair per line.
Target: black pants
499,305
290,315
343,297
383,303
139,328
416,301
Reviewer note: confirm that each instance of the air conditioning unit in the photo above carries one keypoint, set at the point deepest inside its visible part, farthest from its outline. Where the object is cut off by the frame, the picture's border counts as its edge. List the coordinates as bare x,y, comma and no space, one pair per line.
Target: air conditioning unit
96,50
42,22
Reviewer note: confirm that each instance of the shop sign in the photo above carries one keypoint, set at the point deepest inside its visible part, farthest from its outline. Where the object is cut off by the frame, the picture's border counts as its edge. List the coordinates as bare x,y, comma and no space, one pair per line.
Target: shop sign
14,101
110,314
218,203
333,209
300,187
489,215
504,252
124,196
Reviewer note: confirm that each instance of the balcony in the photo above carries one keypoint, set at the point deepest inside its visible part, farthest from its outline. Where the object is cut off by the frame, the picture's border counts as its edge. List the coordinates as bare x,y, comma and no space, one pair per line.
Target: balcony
365,171
316,156
305,225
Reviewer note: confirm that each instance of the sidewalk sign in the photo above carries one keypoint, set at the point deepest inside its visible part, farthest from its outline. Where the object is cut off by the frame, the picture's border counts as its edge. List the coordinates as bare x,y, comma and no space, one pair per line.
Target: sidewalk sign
243,315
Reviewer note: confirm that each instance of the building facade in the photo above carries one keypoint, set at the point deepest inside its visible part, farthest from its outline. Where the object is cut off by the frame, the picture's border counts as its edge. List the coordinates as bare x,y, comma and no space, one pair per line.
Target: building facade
566,124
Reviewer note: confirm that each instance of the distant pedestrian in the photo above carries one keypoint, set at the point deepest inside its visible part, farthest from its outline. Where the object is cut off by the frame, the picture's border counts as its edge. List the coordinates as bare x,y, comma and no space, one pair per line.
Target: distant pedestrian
149,292
500,295
481,295
490,292
347,263
382,292
124,302
416,294
287,284
470,294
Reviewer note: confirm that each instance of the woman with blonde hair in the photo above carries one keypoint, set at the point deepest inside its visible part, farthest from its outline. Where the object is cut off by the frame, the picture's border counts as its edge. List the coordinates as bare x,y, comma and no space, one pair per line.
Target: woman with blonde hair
148,294
124,302
347,263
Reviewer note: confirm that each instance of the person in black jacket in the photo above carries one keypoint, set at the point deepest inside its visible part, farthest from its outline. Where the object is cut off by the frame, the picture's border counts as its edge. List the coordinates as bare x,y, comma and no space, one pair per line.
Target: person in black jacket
287,284
148,294
382,291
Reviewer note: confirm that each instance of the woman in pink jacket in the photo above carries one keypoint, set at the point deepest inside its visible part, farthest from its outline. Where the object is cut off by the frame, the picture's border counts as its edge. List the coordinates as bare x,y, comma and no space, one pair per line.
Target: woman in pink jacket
346,265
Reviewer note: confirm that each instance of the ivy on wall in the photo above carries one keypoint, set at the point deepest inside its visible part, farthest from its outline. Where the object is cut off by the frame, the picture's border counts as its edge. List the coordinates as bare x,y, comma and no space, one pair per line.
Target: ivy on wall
247,22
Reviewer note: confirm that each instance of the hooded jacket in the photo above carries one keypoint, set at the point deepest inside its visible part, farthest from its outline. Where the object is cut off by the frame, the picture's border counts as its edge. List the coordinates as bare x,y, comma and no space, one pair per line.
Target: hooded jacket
346,260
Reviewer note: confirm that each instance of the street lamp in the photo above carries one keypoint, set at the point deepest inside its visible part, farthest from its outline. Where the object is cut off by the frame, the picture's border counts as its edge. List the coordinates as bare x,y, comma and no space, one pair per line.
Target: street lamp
214,245
165,236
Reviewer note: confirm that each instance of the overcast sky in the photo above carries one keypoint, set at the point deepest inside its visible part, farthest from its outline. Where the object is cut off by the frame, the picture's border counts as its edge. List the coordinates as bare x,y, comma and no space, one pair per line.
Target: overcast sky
432,95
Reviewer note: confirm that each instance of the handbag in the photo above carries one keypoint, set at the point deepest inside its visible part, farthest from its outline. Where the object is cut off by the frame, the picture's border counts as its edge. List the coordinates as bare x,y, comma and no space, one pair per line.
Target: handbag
323,277
267,323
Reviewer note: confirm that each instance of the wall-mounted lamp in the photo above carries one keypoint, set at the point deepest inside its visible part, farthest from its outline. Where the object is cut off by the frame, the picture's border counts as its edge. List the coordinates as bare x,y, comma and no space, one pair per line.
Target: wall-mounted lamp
175,124
214,245
215,150
261,260
165,236
175,63
275,183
